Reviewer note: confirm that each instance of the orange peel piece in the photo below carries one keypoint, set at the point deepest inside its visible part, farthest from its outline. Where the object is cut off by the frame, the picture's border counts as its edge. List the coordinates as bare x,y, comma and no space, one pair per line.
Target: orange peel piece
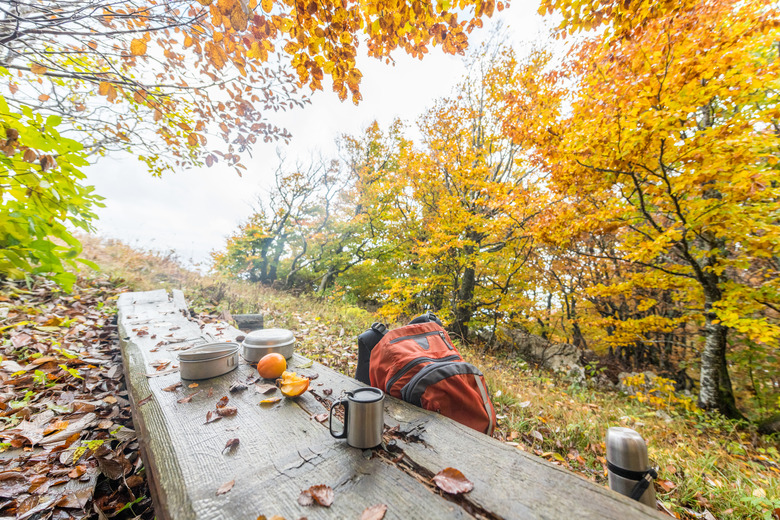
292,385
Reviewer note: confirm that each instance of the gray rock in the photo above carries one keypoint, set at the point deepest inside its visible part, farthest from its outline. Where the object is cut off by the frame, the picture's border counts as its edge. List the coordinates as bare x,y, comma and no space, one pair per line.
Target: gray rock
553,356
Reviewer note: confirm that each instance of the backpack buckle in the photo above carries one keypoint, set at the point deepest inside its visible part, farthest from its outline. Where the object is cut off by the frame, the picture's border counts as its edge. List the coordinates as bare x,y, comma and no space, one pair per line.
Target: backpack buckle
381,328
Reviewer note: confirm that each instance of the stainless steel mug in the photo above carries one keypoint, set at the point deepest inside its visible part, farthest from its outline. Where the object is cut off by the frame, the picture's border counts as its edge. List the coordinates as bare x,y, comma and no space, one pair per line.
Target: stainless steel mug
364,417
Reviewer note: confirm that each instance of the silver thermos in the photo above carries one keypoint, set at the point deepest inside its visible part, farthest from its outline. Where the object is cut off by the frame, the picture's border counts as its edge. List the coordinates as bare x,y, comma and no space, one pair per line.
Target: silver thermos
630,473
364,417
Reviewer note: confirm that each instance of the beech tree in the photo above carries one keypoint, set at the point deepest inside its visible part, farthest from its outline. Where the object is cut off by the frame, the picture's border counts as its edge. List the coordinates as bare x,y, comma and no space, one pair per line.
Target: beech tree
671,141
161,80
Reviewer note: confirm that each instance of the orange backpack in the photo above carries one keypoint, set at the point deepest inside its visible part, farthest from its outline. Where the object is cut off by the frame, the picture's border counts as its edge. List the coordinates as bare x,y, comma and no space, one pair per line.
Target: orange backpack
417,363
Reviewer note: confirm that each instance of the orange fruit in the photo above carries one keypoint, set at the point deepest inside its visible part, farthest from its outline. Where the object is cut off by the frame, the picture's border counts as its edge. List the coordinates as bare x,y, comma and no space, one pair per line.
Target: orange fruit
271,365
292,385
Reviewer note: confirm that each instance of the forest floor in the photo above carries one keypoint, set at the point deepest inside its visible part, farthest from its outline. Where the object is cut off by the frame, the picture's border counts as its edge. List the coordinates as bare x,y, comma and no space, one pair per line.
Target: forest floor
68,449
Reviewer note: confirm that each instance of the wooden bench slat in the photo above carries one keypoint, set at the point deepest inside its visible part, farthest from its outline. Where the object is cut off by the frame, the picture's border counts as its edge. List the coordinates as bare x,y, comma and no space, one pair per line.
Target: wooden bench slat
284,450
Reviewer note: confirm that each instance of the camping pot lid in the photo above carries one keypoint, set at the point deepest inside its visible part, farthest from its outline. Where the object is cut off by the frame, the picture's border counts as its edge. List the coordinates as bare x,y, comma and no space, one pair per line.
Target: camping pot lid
269,337
209,351
626,449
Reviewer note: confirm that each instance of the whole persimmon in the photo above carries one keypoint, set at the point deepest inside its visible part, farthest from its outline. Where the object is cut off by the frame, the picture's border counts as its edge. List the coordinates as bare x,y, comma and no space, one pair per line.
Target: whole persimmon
271,365
292,385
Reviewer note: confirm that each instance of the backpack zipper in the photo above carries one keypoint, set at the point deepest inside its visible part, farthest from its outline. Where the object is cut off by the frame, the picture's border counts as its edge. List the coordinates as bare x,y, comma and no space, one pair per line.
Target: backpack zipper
413,363
425,335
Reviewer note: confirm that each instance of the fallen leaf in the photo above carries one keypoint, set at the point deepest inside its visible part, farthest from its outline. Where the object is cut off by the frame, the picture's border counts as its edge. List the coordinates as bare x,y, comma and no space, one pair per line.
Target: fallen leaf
524,404
77,471
55,427
270,400
144,401
451,480
321,417
376,512
193,385
321,494
231,445
75,500
262,388
327,391
12,483
209,415
226,411
224,488
306,364
172,387
188,398
237,387
536,435
222,402
666,485
159,364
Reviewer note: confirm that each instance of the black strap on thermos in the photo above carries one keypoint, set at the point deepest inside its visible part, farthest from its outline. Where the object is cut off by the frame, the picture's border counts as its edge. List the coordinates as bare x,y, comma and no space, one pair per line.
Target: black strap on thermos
643,478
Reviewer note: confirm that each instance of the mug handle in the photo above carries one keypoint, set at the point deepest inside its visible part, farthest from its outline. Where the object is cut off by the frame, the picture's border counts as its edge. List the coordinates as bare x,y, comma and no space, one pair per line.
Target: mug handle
345,404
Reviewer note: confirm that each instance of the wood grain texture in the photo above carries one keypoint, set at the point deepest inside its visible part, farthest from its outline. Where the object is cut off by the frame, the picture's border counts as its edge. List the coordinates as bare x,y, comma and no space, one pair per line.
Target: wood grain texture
284,450
507,482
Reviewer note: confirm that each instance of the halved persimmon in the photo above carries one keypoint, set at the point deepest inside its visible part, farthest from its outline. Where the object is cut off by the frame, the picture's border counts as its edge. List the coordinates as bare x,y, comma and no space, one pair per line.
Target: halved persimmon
291,384
271,365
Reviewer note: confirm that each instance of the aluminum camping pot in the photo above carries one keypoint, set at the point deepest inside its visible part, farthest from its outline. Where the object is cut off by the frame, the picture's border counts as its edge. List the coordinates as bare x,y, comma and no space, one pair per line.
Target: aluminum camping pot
258,343
628,464
364,417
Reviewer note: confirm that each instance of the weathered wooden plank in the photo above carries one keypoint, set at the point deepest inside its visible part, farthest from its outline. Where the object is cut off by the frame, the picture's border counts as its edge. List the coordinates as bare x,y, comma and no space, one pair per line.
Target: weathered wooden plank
507,482
282,449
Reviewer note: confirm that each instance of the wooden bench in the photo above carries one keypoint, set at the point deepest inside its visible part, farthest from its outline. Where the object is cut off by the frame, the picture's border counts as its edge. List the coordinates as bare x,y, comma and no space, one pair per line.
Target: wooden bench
284,449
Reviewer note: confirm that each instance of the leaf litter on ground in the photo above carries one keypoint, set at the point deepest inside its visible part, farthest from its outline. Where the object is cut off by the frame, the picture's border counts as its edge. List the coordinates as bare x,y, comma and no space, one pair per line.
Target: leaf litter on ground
65,406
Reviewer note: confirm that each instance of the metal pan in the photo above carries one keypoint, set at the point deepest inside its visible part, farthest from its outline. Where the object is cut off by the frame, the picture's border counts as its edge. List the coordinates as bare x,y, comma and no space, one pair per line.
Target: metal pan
258,343
210,360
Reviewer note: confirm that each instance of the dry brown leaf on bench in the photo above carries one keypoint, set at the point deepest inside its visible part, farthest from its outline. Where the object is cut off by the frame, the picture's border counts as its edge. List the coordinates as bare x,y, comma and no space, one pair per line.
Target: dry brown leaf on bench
321,494
227,486
231,445
263,388
188,398
237,387
226,411
451,480
172,387
376,512
210,417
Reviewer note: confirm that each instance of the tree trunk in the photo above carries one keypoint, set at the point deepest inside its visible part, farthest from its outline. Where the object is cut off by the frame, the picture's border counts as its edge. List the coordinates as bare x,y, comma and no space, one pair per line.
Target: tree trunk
464,308
278,250
327,279
715,391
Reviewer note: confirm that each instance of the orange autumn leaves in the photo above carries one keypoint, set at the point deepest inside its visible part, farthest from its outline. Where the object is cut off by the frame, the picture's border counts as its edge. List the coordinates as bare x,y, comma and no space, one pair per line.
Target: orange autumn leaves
321,37
219,66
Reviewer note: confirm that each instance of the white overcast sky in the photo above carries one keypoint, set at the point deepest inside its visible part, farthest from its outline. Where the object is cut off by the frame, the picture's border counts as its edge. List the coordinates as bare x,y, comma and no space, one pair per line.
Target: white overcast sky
193,211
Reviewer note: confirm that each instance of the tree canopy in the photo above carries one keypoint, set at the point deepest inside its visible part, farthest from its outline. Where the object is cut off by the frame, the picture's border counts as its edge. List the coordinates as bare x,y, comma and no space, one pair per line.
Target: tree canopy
622,198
